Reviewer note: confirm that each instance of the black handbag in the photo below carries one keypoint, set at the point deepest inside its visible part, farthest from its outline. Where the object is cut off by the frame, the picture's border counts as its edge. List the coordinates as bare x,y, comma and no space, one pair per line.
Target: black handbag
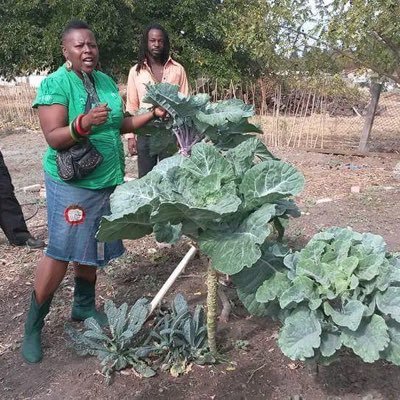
82,158
78,161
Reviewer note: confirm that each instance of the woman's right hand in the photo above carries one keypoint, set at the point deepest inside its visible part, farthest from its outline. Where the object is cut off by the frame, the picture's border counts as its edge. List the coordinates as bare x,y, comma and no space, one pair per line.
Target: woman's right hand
96,116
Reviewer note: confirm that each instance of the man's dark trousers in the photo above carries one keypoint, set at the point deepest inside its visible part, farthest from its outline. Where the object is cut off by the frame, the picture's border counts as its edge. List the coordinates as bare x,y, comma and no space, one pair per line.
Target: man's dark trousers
147,162
12,220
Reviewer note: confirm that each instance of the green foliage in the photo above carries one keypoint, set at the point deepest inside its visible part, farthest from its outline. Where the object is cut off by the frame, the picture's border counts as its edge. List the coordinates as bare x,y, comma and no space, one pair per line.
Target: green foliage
225,201
180,338
177,339
120,344
342,289
367,32
225,123
30,33
225,41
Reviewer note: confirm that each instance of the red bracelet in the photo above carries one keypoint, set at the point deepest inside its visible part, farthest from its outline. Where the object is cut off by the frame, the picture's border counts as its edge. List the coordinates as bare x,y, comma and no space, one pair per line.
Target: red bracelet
78,126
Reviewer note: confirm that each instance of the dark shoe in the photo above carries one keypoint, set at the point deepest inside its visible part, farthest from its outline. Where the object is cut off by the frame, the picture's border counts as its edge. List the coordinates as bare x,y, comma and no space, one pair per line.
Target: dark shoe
84,305
30,242
32,346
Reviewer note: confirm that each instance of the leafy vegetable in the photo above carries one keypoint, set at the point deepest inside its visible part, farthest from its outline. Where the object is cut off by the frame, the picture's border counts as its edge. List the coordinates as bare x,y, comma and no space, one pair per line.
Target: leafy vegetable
342,289
180,338
194,118
119,345
228,202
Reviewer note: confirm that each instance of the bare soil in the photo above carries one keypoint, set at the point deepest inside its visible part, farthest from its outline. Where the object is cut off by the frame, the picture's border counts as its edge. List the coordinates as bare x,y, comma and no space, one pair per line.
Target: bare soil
257,372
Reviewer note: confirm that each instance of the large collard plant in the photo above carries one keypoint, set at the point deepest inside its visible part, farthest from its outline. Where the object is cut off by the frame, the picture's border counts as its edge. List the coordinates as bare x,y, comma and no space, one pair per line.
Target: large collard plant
194,118
227,202
342,289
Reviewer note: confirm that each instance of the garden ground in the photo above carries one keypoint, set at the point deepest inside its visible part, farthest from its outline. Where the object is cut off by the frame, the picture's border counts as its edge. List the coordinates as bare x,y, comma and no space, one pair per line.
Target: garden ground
360,192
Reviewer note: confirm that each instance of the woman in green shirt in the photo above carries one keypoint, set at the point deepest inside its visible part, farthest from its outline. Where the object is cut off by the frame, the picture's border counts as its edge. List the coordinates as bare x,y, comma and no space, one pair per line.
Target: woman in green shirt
77,101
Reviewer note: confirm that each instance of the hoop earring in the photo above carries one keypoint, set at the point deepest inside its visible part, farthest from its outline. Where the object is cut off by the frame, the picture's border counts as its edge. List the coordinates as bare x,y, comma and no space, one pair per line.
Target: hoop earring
68,65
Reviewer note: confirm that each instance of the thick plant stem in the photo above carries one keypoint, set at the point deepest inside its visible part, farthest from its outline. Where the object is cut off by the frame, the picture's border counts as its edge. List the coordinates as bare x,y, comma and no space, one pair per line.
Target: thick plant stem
212,307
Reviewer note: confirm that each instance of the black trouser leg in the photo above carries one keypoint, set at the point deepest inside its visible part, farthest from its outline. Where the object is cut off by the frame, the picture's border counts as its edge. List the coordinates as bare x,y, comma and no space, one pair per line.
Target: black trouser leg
12,220
146,162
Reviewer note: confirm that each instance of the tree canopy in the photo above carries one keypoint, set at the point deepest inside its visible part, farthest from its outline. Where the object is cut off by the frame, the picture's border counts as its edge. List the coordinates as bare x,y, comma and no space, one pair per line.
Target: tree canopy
220,39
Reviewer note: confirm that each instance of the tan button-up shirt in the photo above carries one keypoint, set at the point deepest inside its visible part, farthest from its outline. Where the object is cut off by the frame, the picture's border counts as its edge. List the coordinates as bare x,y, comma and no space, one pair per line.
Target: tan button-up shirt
173,73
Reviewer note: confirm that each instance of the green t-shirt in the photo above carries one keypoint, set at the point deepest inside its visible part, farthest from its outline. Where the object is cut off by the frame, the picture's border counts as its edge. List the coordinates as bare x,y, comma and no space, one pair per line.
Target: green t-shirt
66,88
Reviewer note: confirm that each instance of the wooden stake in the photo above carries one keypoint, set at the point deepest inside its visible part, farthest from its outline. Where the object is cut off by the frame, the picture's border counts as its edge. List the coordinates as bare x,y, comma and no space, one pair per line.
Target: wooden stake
169,282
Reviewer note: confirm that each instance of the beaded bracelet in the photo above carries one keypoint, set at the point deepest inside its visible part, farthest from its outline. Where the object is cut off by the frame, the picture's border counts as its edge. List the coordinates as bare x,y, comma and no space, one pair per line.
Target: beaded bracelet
73,132
78,126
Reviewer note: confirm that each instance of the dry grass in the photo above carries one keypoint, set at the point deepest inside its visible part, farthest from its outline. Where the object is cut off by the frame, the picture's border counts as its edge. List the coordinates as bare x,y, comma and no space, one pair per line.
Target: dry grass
318,130
16,107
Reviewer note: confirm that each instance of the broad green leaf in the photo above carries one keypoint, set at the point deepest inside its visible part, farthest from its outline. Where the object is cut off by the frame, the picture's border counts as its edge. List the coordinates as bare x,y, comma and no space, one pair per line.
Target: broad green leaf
167,233
177,213
126,226
256,308
368,266
164,165
371,307
176,104
389,302
272,288
231,251
369,339
250,279
309,262
130,196
287,207
300,334
392,352
269,181
349,315
373,243
330,343
242,156
216,114
206,160
302,288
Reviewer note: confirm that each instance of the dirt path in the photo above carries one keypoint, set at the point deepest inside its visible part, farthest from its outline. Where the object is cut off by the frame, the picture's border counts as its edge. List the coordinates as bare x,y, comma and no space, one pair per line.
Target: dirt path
260,371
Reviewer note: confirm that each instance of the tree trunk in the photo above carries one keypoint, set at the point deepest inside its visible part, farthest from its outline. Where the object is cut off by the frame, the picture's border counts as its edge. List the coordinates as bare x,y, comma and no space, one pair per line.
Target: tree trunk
212,308
369,119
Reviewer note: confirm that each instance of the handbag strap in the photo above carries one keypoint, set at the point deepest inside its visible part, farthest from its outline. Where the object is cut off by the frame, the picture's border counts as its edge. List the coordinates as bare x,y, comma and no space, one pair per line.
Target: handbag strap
93,98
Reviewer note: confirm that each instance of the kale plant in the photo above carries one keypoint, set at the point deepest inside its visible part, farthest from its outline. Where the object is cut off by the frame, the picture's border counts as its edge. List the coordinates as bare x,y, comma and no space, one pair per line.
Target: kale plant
342,289
179,338
118,346
194,118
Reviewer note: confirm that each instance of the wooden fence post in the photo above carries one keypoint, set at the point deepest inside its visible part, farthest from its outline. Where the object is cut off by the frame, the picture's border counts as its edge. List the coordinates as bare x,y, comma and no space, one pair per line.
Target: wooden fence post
369,118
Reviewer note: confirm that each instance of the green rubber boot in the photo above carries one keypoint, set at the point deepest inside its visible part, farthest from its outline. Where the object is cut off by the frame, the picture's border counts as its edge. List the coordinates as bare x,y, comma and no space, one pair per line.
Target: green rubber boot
84,305
31,345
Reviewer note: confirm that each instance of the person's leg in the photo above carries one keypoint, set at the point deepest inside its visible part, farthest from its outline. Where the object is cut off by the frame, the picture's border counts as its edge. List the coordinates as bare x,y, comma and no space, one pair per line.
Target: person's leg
146,162
12,220
49,274
84,305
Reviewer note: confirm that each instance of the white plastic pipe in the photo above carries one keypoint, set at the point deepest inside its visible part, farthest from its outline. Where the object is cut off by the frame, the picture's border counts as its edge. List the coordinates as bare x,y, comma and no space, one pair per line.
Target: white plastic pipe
169,282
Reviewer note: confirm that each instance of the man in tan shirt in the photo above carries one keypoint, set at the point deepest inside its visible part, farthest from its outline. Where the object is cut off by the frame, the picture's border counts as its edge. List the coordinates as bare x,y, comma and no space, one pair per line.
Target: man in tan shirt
155,65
